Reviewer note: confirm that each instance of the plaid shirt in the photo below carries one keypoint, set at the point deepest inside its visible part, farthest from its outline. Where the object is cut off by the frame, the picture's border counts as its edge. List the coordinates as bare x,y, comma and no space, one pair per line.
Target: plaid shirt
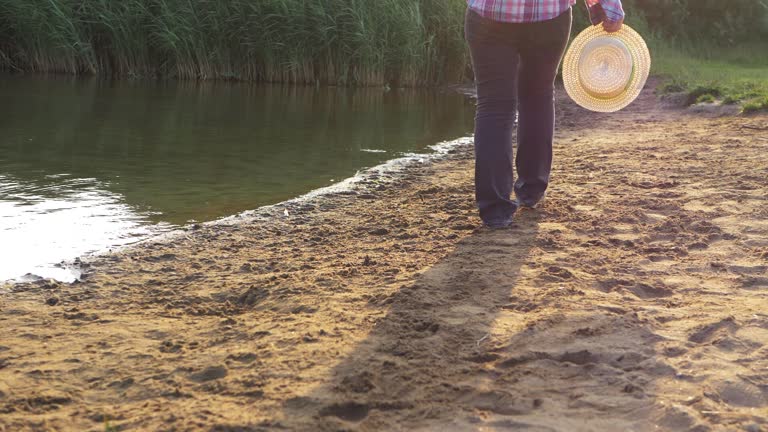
522,11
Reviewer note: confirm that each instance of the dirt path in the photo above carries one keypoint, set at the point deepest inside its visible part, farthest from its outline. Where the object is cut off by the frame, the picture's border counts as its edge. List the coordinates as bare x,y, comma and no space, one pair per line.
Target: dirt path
634,299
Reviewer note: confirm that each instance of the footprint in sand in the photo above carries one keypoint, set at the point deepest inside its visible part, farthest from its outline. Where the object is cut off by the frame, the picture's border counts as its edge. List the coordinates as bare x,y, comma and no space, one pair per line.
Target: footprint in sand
348,411
358,383
500,403
754,282
209,374
755,335
646,291
675,418
742,394
245,358
709,332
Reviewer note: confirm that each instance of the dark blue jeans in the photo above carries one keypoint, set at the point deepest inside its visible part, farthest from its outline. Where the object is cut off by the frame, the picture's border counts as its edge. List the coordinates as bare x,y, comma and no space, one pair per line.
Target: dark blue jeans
515,65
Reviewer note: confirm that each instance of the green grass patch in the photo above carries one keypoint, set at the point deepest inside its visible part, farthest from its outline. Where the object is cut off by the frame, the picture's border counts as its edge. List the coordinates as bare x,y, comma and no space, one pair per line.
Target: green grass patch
708,74
756,105
705,98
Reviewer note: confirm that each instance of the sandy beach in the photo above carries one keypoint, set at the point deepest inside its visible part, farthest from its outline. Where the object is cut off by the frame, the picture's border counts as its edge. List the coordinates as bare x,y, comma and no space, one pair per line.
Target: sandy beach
635,298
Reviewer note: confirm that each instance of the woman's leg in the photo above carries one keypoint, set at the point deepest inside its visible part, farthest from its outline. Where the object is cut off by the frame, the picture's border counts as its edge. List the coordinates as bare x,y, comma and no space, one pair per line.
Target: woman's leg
495,61
540,55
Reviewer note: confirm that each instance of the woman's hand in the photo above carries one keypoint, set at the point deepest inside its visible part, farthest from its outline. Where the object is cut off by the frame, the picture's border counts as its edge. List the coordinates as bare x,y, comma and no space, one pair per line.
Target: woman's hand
613,26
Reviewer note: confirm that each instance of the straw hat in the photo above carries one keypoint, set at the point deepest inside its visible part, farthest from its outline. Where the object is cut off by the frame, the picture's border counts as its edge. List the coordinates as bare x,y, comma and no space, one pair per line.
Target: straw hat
604,71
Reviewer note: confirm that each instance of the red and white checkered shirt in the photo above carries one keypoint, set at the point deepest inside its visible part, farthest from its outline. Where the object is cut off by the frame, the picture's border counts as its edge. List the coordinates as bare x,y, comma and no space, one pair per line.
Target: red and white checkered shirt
522,11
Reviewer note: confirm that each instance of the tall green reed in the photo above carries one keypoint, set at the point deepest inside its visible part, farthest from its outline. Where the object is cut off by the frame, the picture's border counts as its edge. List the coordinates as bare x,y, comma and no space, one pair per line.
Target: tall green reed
337,42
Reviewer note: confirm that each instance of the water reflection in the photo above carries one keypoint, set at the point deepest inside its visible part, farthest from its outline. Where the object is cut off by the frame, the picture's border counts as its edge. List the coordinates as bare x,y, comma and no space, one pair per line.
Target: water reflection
64,219
112,160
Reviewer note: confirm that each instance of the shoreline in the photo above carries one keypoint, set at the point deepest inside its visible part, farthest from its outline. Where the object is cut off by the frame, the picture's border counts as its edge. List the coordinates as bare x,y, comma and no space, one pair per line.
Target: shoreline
632,299
363,181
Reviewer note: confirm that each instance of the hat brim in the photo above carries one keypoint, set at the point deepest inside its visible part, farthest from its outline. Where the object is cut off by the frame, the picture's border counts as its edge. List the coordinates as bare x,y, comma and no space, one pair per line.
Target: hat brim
641,58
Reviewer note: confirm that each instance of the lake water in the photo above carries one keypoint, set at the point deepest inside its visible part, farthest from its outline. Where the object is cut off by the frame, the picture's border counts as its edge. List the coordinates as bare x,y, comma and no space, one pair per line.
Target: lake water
88,165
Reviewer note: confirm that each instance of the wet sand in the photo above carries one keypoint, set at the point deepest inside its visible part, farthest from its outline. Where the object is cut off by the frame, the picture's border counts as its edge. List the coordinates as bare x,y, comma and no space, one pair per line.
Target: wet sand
634,299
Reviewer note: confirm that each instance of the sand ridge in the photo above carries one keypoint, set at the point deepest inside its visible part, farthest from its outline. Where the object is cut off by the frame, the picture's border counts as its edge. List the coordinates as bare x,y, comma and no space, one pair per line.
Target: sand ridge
633,299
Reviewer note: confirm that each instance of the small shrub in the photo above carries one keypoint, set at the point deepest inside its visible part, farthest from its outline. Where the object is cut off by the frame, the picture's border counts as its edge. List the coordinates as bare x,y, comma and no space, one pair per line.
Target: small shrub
672,87
755,106
701,91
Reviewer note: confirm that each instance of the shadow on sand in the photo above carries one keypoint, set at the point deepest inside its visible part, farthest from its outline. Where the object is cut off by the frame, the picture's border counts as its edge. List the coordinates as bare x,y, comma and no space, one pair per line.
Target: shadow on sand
461,349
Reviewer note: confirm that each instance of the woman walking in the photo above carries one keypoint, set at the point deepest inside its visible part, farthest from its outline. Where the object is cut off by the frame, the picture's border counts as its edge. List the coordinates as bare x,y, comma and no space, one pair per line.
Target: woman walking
516,48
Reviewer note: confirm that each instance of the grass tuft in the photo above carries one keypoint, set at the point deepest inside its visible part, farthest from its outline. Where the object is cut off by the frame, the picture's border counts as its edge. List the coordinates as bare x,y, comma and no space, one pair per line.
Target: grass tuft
756,106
